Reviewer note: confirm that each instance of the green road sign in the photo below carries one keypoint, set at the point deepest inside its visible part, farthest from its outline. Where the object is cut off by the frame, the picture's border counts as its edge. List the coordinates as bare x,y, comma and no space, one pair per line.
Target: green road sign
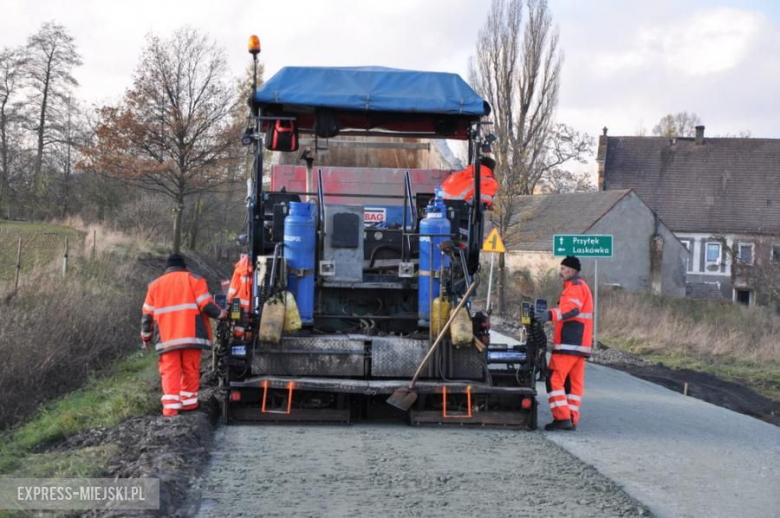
582,246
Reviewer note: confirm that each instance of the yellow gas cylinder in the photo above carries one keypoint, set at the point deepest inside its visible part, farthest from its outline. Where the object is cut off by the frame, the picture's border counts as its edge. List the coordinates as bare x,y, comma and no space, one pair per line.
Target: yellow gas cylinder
461,329
292,318
272,321
440,314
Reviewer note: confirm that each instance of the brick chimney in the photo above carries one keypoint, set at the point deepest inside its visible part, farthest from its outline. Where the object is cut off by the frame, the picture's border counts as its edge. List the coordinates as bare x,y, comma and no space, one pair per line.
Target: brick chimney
601,159
699,135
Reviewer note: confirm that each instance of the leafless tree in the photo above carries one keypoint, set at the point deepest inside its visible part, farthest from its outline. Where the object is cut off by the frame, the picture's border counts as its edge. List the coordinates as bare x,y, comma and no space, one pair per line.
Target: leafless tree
71,135
12,66
517,69
173,134
561,181
681,124
52,57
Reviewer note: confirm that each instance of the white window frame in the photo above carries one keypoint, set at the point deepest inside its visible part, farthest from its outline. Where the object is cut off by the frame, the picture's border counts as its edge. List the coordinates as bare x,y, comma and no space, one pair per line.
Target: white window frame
707,260
688,244
752,253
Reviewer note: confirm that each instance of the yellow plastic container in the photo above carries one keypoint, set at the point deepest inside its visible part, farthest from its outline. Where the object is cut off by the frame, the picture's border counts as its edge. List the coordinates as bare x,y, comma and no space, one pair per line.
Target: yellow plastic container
461,329
440,314
292,318
272,321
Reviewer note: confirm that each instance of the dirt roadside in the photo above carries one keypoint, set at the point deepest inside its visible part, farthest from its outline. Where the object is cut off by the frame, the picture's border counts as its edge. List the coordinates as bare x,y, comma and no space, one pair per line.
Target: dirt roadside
174,450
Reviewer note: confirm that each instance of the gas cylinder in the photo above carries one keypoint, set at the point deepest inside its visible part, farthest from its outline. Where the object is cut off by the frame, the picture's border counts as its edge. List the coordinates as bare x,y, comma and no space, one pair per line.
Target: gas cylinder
434,223
299,247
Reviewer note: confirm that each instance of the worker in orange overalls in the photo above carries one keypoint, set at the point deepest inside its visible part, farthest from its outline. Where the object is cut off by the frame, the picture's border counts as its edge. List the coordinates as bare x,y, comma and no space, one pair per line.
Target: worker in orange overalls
460,185
572,344
241,288
179,303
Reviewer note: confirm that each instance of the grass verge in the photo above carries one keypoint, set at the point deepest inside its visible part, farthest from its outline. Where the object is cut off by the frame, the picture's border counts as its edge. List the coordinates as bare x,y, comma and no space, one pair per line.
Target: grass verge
733,342
763,377
127,390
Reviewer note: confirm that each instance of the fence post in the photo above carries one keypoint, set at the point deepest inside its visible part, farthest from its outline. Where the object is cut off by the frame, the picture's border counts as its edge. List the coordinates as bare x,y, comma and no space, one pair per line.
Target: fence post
18,264
65,258
94,244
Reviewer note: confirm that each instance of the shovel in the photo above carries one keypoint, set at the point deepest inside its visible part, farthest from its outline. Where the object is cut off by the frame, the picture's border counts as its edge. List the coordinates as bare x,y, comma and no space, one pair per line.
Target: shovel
404,397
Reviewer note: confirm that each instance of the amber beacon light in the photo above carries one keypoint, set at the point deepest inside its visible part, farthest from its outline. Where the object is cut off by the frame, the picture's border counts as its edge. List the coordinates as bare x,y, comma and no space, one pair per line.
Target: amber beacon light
254,45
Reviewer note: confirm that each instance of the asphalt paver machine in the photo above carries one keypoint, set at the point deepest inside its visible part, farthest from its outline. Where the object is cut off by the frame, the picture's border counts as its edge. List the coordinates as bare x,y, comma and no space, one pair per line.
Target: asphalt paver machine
357,271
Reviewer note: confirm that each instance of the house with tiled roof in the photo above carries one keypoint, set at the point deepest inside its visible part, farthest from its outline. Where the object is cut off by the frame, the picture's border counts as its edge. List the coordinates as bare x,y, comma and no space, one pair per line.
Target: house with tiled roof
647,256
720,196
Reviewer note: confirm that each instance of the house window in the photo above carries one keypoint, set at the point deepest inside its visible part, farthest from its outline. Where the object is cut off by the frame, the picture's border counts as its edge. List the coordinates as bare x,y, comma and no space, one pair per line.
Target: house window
745,253
775,254
742,296
713,252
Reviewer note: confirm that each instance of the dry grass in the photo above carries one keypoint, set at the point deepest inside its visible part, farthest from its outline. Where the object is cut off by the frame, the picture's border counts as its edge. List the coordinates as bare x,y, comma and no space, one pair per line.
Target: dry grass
56,331
106,239
698,328
734,342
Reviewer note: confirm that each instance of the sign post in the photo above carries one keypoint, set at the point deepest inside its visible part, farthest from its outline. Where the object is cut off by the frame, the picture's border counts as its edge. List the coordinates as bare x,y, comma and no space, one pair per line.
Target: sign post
494,245
586,245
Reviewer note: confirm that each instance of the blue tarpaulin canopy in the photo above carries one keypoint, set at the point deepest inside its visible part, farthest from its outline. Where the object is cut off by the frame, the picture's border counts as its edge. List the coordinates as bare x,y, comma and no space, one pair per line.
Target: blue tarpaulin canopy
375,98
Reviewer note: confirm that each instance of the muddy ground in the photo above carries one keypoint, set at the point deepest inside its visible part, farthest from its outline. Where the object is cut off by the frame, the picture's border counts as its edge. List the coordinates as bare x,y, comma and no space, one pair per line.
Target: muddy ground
395,470
175,450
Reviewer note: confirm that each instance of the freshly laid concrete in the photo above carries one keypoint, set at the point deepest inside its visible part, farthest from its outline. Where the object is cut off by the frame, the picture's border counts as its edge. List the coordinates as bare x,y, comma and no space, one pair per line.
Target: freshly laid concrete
679,456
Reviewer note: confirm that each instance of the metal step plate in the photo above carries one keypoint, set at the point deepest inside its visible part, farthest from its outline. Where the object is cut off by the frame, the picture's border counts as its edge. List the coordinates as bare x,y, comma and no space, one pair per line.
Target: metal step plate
338,355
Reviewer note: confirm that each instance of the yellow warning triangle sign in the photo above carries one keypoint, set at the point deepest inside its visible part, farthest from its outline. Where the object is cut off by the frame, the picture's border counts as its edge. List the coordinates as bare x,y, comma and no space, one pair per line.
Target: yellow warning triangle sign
493,243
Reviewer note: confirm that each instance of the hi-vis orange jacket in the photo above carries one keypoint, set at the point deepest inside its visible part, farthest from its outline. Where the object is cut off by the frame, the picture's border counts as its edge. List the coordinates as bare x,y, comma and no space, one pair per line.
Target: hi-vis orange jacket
241,288
460,185
573,319
179,303
241,283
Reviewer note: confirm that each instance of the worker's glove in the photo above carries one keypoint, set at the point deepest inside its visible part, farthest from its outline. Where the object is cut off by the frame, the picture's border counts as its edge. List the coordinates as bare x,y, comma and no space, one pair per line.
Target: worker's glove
224,314
543,317
146,345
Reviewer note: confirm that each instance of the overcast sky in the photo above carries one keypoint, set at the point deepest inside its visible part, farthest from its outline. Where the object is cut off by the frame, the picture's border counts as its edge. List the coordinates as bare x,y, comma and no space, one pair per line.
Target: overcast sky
627,63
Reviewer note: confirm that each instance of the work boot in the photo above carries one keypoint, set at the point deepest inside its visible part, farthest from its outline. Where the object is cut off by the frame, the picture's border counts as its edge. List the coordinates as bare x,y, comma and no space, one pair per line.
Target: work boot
573,425
563,424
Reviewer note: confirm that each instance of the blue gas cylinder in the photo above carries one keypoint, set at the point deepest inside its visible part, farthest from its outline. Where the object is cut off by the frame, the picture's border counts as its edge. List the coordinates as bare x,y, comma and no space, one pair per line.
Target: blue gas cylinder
435,222
299,247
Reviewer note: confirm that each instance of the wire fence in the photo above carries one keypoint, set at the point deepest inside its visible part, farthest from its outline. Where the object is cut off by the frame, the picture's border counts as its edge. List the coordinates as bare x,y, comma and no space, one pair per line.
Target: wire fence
29,248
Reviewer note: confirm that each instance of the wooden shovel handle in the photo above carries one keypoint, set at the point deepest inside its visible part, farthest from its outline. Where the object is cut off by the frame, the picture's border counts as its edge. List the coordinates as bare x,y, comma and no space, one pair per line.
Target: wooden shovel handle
441,334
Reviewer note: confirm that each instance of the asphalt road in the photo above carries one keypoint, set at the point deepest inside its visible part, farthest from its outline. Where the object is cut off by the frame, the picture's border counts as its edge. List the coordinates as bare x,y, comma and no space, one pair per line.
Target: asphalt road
677,455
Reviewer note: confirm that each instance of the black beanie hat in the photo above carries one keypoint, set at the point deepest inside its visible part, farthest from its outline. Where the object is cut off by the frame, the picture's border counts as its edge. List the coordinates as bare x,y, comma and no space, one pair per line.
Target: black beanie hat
572,262
175,261
488,162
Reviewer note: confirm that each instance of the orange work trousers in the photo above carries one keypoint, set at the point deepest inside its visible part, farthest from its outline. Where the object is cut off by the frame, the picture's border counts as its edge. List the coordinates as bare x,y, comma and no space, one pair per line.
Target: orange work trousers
180,372
565,386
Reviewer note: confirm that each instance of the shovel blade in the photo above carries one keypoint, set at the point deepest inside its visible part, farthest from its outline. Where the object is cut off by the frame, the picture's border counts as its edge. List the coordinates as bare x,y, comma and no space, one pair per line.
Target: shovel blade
403,399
